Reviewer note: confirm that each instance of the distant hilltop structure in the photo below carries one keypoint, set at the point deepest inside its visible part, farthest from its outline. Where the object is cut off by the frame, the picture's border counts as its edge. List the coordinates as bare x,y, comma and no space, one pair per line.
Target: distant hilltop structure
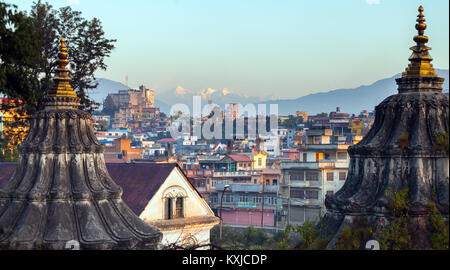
141,96
131,108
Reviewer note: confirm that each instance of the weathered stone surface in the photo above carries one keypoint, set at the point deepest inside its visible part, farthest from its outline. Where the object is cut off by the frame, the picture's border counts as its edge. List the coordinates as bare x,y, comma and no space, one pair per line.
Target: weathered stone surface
400,151
61,189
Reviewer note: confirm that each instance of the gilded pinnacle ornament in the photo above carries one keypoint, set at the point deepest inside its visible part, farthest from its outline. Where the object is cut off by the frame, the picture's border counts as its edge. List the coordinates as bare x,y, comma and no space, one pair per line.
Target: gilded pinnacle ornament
420,59
420,75
61,191
62,93
62,86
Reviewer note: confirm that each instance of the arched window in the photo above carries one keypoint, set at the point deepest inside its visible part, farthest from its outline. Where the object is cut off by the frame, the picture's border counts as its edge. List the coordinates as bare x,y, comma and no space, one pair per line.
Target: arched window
168,208
179,209
174,202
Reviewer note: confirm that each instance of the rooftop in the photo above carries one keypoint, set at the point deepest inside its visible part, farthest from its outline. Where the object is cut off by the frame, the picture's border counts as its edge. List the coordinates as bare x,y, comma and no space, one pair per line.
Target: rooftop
139,181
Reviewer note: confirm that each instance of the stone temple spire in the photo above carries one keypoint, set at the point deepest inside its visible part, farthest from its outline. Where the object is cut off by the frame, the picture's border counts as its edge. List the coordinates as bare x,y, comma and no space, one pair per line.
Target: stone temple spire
399,153
61,189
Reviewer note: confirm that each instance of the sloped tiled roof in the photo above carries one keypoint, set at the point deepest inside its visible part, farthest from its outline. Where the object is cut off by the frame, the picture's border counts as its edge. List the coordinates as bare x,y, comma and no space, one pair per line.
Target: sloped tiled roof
139,181
239,158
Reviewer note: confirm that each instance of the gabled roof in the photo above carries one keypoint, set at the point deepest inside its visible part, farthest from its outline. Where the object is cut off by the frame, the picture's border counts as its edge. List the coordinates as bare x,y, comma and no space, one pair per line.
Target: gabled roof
256,152
239,158
139,181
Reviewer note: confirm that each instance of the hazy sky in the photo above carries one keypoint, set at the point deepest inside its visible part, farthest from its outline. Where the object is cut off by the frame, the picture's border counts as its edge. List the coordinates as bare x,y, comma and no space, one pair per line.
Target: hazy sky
282,48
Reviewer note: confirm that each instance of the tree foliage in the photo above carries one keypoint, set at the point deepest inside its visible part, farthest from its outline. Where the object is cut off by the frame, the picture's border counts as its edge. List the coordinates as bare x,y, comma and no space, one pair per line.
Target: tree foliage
292,121
29,49
29,46
19,54
86,44
443,143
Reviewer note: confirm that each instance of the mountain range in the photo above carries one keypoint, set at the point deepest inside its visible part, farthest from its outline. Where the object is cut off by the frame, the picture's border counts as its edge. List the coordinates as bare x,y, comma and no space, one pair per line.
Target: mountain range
351,100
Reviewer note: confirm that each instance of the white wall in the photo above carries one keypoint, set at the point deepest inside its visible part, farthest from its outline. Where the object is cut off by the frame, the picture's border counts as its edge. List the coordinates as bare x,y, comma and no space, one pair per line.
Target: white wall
194,206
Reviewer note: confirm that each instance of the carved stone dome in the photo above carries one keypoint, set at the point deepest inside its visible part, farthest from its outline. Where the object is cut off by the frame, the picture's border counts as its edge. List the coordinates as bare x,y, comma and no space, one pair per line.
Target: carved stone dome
61,190
399,152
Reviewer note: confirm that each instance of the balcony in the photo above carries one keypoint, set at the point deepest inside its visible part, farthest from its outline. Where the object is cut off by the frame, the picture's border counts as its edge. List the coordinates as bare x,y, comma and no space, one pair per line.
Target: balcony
299,165
193,173
235,174
321,164
246,188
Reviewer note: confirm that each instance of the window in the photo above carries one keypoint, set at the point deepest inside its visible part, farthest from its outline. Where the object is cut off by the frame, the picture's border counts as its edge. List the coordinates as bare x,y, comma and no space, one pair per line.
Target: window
274,182
342,176
297,176
341,155
305,157
312,176
272,200
330,176
179,209
257,199
312,194
168,210
267,182
298,193
330,192
255,181
228,198
259,161
243,198
214,198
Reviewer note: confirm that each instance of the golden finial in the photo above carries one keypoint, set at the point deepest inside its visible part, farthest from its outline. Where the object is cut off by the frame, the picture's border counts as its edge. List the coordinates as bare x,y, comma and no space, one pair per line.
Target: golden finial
62,80
420,65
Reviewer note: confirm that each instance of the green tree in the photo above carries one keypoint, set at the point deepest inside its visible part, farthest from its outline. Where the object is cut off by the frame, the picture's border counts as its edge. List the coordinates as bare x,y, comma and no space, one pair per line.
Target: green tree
19,54
86,44
442,143
396,236
292,121
108,106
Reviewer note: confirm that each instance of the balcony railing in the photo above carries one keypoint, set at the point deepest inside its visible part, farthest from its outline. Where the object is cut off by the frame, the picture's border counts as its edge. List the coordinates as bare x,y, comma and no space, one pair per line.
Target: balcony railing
235,173
321,164
246,188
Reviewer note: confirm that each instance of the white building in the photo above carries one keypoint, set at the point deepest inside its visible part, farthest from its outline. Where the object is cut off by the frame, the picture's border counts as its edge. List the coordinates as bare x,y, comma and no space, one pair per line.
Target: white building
161,195
320,170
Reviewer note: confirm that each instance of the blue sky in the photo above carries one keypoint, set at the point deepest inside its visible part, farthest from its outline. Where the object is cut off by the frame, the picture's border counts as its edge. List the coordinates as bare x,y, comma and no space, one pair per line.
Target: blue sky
278,48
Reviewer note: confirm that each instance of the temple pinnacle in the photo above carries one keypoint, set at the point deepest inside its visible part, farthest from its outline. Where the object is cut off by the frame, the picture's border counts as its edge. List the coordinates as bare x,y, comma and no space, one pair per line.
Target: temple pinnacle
62,87
420,65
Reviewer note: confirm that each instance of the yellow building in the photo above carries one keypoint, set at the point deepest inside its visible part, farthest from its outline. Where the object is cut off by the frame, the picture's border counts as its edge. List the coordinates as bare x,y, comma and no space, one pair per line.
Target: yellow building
259,160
